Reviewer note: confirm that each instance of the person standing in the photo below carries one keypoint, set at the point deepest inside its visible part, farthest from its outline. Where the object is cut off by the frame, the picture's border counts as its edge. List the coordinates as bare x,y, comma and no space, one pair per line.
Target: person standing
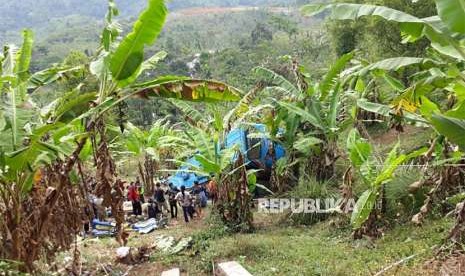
173,191
185,200
141,193
141,190
212,189
152,210
160,198
197,190
133,196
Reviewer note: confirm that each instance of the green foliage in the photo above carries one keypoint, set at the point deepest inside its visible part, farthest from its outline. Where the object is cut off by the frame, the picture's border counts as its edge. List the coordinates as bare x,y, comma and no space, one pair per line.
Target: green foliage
452,14
309,188
363,208
379,39
23,59
397,63
452,128
10,268
323,101
359,150
440,34
413,27
353,11
280,83
129,55
216,230
141,142
23,147
401,203
372,173
333,73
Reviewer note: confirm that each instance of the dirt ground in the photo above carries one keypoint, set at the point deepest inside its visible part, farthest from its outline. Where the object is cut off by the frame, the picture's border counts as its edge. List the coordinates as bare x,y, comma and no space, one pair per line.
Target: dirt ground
98,255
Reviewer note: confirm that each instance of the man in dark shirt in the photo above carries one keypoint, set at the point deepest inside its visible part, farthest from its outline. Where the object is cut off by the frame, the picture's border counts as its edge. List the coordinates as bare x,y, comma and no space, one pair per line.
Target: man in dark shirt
173,191
160,198
197,192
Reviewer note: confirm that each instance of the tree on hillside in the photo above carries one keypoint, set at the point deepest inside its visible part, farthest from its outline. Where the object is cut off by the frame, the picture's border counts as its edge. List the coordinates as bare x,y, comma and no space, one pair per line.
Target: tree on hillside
377,38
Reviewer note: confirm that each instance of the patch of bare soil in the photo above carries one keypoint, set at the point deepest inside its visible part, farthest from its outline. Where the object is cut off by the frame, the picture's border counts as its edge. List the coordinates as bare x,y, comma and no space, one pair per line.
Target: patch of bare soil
391,136
451,265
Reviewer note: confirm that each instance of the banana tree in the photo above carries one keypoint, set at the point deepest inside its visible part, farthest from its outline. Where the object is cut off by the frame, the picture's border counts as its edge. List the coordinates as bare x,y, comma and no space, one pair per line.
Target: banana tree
445,33
226,166
150,148
443,30
37,156
375,175
312,114
441,73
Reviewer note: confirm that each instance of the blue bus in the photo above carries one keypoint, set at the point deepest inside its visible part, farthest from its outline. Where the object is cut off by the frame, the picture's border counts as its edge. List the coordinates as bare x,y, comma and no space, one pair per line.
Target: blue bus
256,150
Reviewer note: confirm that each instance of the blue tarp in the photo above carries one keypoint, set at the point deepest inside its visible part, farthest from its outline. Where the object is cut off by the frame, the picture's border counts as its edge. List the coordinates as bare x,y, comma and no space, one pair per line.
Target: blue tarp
186,178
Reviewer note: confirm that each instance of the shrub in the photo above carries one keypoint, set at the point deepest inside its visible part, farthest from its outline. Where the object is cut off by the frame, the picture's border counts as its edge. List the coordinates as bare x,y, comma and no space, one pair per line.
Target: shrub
309,187
400,203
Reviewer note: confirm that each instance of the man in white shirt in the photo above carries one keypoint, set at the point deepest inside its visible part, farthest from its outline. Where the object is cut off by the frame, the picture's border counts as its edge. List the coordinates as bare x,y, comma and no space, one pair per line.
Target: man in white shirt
185,200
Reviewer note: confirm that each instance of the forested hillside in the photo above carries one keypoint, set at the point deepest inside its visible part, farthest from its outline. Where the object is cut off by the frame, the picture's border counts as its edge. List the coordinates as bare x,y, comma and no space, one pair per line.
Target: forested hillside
206,43
37,13
219,45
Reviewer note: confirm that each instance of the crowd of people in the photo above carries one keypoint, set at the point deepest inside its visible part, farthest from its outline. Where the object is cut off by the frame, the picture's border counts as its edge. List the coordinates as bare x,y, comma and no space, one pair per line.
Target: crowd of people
166,199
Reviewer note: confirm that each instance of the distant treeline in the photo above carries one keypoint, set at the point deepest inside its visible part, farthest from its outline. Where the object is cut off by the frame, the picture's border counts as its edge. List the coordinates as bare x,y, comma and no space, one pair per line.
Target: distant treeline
15,15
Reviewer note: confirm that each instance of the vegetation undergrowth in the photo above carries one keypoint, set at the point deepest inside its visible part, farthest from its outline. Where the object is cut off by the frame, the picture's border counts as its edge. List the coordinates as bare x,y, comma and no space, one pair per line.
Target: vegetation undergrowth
321,249
309,188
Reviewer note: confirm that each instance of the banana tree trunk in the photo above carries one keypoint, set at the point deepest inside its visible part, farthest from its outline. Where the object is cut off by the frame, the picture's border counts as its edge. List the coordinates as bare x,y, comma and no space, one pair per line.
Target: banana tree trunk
234,199
147,174
109,186
141,172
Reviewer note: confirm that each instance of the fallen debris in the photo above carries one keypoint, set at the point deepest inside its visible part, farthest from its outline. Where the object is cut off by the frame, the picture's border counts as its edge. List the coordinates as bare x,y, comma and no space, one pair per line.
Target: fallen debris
126,255
171,272
385,269
231,269
182,244
148,226
167,244
164,243
103,228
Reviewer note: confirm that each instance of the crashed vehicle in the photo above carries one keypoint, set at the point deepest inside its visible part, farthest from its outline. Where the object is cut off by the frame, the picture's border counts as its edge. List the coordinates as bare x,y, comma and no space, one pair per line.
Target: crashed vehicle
256,150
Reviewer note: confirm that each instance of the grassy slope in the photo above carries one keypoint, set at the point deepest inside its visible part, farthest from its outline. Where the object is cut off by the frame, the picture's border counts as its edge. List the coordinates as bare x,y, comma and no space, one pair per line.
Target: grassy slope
285,250
319,251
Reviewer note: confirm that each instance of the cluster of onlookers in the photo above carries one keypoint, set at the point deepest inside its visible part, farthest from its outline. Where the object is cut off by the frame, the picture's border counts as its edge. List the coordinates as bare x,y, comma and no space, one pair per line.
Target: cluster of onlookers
164,201
165,195
136,196
192,202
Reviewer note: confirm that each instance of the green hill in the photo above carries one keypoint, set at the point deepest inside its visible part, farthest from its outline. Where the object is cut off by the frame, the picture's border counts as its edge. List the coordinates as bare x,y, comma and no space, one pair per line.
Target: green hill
15,15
